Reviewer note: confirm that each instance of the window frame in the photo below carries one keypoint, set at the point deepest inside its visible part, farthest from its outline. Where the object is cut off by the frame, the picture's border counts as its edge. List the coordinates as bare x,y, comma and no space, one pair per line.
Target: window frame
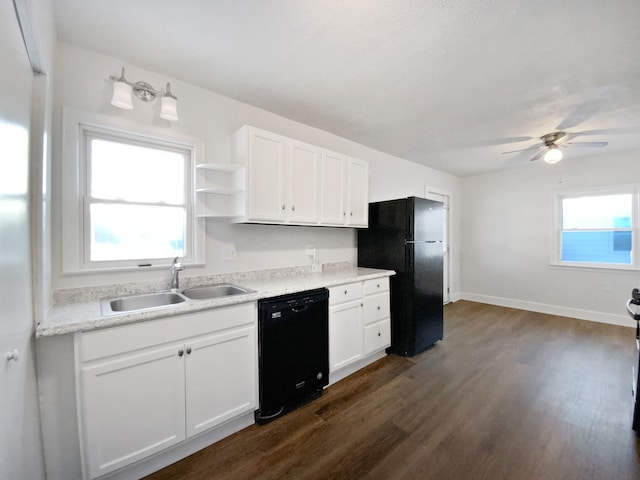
75,235
556,237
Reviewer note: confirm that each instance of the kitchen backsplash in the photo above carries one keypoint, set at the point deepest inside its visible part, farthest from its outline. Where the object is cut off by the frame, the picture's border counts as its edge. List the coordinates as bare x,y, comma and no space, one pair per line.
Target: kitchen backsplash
90,293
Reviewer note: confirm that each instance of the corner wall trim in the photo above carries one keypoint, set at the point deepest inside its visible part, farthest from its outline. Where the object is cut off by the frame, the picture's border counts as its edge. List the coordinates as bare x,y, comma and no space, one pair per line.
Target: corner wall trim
590,315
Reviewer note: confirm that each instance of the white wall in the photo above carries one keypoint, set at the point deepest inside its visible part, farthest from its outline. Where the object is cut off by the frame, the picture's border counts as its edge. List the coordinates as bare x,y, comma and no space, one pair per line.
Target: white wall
82,83
506,240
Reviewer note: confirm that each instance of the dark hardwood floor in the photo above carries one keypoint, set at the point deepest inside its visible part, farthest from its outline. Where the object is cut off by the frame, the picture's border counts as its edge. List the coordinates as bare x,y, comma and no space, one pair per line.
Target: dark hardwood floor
507,394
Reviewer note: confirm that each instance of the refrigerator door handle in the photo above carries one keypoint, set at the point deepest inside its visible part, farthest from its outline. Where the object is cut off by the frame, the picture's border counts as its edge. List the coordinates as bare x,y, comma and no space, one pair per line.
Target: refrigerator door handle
422,241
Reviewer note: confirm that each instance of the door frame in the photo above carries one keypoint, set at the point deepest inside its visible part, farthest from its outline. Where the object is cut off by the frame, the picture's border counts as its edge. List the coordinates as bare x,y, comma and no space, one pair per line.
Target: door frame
444,196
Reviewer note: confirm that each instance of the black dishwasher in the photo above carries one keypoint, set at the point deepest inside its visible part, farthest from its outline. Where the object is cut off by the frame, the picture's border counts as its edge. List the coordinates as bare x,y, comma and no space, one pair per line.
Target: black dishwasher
293,332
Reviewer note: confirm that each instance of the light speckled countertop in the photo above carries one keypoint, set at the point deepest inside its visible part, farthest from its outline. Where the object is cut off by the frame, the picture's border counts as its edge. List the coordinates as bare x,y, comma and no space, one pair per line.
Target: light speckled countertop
80,311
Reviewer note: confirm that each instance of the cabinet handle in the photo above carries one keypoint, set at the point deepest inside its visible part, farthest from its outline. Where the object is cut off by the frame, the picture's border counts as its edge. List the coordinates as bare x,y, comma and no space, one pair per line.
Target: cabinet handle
283,206
188,350
344,214
378,285
180,352
345,292
293,208
378,310
378,333
351,214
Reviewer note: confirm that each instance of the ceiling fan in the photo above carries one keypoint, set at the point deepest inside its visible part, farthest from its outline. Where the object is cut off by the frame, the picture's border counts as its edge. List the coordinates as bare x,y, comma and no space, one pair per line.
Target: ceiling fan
551,144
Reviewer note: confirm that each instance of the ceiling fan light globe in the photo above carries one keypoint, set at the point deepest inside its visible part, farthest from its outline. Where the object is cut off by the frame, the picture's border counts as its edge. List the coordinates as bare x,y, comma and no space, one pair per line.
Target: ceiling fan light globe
554,155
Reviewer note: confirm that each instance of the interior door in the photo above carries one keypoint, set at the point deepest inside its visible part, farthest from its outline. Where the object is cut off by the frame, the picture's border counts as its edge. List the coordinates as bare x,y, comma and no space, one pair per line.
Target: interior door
20,449
446,281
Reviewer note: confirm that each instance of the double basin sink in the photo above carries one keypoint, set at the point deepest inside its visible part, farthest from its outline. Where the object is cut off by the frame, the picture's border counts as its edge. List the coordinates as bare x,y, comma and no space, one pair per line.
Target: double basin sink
152,301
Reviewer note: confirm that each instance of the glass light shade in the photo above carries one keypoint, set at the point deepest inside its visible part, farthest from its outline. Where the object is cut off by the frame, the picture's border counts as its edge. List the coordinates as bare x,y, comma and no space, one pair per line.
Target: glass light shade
554,155
169,109
121,96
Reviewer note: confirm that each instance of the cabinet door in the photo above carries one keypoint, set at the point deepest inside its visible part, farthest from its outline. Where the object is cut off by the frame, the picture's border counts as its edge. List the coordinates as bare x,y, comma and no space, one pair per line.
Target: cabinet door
221,377
304,162
265,177
345,334
358,188
132,407
332,189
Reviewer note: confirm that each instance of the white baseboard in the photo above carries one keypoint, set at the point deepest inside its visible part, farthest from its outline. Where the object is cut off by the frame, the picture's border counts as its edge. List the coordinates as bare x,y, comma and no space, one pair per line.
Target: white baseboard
593,316
182,450
454,297
338,375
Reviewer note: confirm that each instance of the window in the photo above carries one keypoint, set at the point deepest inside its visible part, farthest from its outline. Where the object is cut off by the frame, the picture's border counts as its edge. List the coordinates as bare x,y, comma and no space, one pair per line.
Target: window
133,197
137,202
597,228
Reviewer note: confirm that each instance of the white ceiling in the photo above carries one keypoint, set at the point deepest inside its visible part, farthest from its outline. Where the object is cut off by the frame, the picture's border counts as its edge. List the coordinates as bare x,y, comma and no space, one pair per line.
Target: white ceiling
446,83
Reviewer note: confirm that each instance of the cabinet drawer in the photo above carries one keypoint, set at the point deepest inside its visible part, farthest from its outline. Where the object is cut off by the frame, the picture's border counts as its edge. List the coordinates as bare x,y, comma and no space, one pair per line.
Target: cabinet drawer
376,307
377,336
345,293
376,285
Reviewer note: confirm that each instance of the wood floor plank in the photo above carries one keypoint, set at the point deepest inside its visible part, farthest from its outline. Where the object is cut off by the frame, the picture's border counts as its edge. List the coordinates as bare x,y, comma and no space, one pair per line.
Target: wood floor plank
507,394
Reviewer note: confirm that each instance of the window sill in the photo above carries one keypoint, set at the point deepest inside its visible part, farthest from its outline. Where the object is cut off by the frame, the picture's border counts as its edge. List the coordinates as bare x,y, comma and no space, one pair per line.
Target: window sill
127,269
594,266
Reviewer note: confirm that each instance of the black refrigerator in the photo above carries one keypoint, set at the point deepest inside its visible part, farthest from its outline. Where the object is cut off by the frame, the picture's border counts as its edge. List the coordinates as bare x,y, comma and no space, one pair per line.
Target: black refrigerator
406,235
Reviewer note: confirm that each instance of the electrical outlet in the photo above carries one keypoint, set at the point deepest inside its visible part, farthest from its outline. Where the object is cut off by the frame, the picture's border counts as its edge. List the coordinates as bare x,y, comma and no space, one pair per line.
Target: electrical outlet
311,250
229,252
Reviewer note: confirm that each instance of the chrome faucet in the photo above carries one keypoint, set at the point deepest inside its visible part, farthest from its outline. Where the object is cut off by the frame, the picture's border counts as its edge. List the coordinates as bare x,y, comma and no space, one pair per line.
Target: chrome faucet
176,267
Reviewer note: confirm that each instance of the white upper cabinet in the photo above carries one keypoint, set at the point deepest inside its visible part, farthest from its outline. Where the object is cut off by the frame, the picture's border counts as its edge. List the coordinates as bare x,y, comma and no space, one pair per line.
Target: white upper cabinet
265,162
344,191
290,182
333,188
302,183
358,193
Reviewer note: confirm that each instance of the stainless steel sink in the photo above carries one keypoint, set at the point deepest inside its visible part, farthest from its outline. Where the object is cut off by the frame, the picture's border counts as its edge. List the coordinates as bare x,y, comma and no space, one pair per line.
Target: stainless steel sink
215,291
141,302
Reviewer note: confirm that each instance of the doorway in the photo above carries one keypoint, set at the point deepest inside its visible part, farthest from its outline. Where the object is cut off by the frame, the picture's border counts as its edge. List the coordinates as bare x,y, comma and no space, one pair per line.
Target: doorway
443,196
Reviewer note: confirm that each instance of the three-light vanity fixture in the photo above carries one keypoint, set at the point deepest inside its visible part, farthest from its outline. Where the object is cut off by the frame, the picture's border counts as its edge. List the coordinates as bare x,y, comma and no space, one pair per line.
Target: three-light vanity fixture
122,89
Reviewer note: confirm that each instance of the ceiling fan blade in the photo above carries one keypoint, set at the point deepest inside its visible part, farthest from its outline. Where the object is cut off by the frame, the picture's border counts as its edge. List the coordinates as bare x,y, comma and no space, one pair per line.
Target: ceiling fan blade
534,147
588,144
495,141
538,155
610,131
565,138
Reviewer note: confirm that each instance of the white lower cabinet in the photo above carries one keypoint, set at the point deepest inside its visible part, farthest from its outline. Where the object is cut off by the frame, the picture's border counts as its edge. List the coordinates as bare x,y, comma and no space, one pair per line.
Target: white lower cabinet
359,323
133,406
220,378
148,386
345,334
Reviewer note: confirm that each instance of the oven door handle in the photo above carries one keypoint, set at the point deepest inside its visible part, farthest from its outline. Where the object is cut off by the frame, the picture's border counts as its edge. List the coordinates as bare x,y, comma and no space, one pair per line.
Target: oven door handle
632,312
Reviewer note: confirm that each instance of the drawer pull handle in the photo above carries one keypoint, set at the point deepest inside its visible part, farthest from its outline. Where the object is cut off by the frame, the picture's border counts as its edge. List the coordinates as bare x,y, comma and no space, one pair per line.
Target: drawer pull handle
180,352
345,292
378,307
378,333
188,350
